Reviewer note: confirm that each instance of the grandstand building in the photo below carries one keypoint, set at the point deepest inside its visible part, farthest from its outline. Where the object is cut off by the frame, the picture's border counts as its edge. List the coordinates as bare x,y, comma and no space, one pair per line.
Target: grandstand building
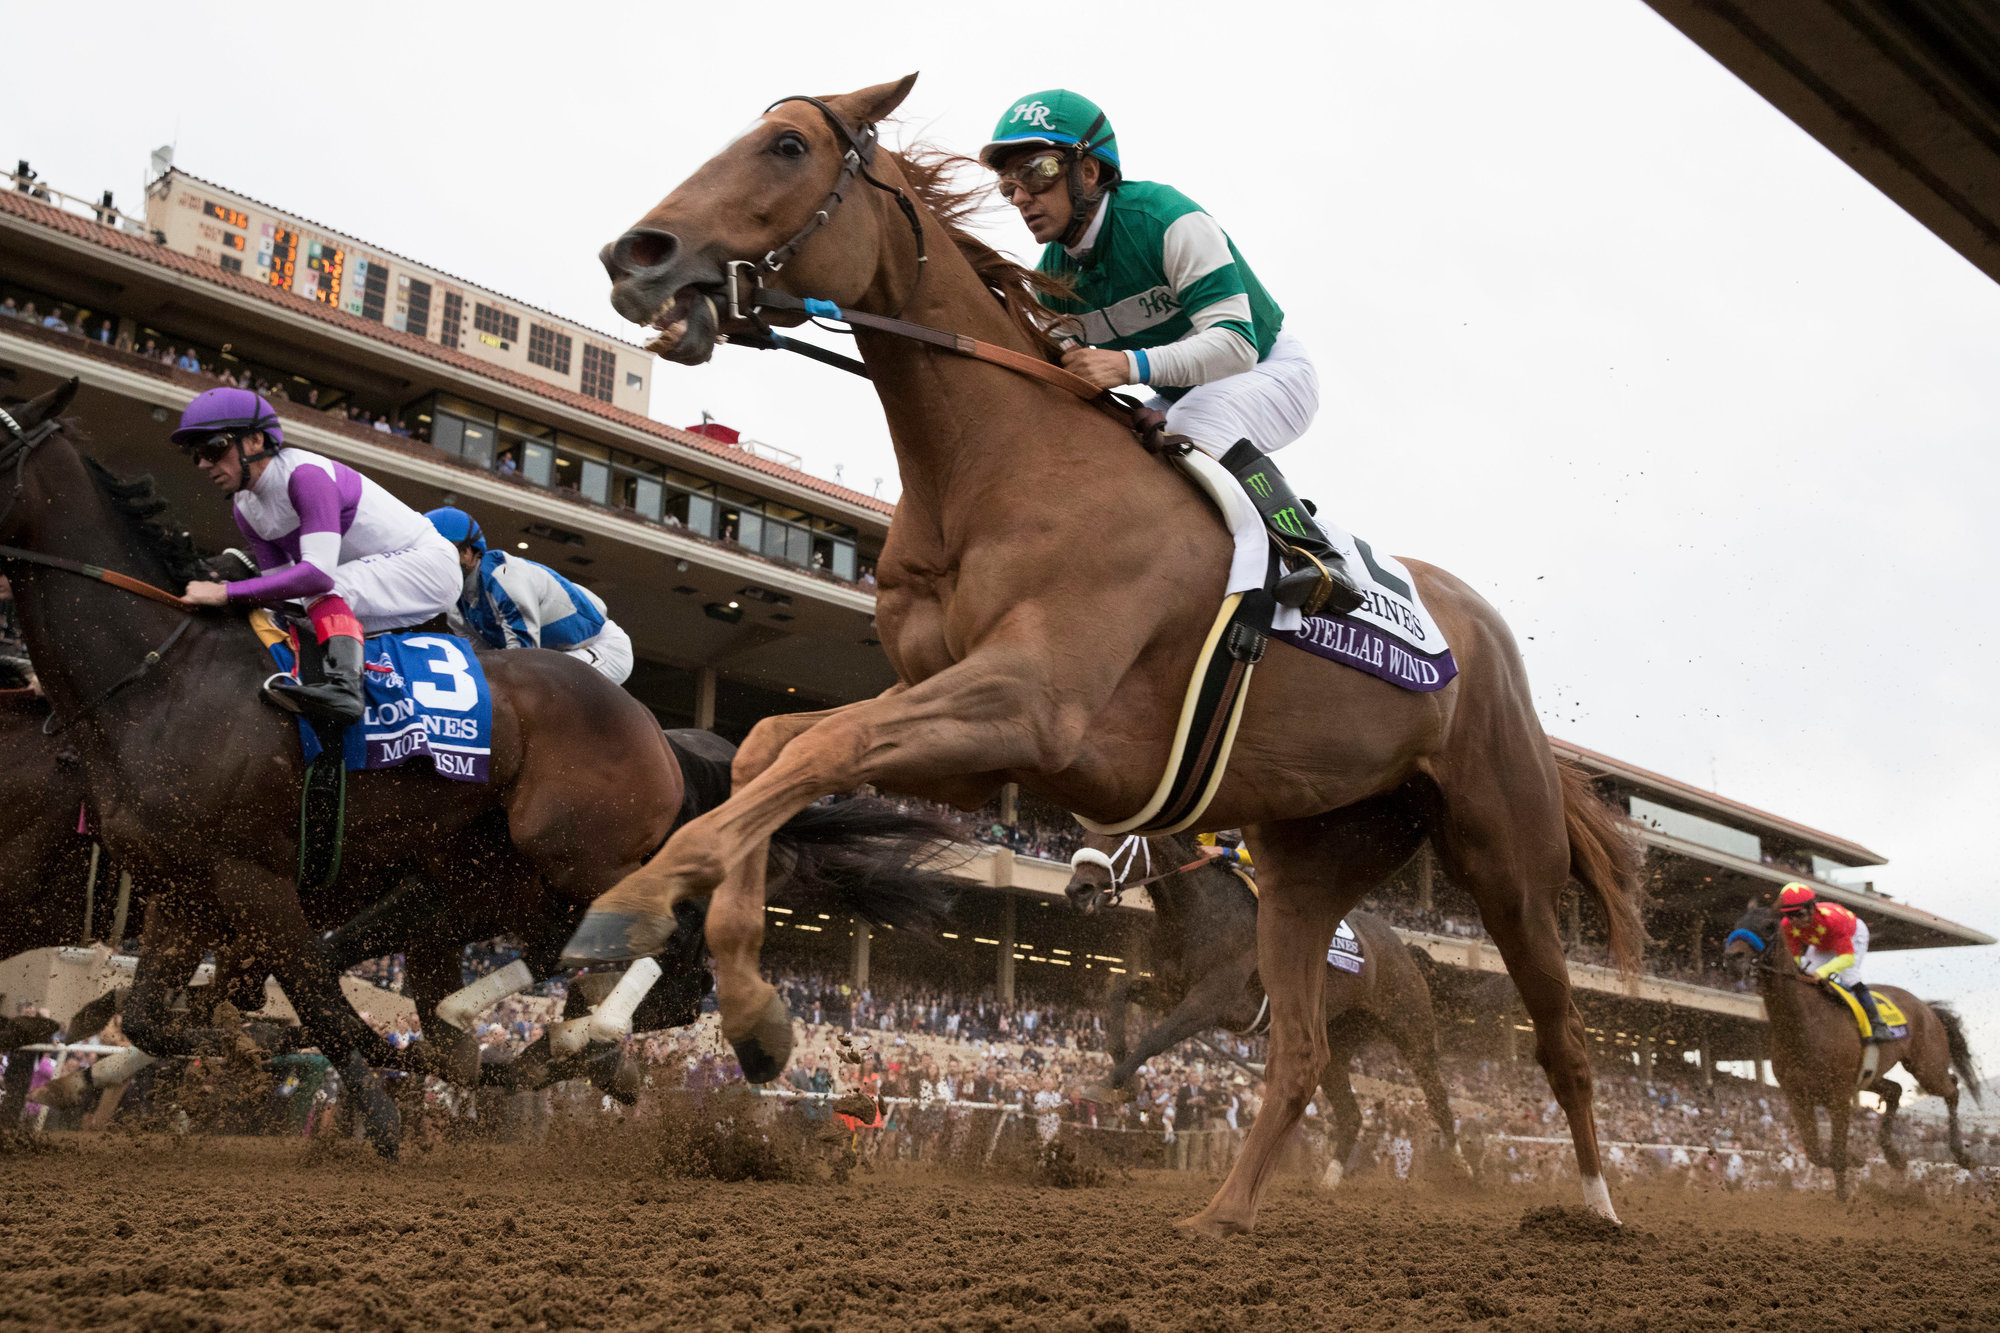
745,582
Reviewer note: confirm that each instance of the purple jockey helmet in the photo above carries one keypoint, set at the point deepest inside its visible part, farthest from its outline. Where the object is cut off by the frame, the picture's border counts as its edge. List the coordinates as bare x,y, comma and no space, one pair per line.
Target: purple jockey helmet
228,410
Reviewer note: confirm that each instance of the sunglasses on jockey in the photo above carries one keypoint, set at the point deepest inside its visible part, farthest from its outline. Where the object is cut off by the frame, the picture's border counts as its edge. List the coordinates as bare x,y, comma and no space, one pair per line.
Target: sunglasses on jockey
1037,174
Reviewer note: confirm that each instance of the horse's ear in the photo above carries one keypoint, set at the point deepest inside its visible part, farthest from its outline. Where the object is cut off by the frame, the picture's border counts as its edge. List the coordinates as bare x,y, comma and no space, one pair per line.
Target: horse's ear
865,106
42,407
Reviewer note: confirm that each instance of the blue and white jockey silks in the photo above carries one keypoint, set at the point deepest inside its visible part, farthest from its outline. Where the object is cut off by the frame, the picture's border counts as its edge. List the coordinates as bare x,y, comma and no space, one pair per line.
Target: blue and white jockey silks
320,527
511,602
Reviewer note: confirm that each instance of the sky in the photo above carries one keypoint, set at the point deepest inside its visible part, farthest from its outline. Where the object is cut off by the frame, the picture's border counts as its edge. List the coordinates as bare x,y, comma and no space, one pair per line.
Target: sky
1707,417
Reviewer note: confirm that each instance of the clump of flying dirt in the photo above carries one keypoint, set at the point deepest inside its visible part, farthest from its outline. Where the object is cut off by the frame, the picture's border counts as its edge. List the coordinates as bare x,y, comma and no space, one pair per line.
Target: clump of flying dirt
25,1143
1905,1196
1065,1164
729,1134
1567,1222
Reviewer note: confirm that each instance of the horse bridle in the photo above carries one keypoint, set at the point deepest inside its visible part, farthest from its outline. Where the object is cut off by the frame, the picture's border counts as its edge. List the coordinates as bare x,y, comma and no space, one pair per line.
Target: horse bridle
744,288
857,161
15,451
1131,851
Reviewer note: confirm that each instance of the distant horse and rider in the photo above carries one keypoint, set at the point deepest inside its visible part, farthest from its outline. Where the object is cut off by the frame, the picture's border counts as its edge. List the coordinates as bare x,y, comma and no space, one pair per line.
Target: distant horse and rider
1202,949
1046,592
1822,1057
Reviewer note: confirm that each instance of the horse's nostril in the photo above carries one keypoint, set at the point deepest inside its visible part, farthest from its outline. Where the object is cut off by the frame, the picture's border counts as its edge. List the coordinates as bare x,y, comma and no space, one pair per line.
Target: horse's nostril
641,249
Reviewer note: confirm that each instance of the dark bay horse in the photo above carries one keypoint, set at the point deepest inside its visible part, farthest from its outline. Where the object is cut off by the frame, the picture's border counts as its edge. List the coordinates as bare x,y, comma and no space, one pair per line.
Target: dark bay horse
1204,961
1817,1051
197,782
1044,593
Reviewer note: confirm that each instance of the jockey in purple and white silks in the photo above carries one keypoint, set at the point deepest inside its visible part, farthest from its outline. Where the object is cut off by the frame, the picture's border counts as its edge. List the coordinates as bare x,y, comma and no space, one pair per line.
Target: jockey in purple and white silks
358,559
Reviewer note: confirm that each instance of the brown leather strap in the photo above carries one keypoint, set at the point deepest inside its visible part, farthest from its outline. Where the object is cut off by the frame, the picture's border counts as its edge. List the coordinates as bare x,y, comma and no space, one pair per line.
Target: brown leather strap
123,582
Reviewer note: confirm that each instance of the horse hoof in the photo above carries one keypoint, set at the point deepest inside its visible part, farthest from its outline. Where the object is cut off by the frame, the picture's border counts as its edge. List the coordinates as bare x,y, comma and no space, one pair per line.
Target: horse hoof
766,1048
379,1117
1205,1223
1335,1173
613,1073
616,937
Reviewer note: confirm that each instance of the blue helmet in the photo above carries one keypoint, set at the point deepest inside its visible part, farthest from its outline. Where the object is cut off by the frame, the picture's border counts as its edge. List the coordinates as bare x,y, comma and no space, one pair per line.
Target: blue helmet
458,527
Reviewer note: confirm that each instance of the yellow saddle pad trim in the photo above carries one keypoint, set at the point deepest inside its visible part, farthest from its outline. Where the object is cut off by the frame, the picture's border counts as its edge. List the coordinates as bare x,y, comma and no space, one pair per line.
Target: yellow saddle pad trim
1884,1006
266,629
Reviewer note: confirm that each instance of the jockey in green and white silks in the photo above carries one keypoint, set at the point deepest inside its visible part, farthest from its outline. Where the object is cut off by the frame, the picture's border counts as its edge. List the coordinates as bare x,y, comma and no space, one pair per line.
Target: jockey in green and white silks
1165,299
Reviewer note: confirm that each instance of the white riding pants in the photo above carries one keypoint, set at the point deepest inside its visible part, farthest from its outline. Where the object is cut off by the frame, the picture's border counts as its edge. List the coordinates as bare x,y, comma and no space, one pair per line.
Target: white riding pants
610,653
1270,405
397,589
1847,976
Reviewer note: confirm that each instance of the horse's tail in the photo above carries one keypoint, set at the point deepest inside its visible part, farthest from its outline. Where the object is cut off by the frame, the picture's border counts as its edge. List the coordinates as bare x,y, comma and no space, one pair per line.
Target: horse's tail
1961,1050
1604,856
871,859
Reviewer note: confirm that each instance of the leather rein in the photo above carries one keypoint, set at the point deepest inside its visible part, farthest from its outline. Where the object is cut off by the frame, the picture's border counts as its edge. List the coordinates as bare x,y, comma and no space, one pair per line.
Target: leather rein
15,452
748,296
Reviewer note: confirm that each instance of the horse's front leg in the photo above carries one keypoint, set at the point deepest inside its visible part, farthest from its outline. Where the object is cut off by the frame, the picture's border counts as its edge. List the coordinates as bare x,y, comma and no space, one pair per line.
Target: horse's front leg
975,717
1204,1008
771,735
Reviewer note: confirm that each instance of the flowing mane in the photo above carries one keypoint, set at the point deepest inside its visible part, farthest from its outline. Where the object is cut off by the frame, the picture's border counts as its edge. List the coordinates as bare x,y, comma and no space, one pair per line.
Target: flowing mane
145,510
932,176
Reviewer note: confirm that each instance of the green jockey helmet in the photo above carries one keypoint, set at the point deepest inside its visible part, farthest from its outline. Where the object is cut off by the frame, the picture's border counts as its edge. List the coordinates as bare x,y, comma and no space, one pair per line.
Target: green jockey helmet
1058,118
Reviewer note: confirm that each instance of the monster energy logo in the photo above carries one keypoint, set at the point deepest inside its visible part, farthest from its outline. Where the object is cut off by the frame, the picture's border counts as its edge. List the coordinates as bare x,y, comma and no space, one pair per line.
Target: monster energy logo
1287,520
1259,485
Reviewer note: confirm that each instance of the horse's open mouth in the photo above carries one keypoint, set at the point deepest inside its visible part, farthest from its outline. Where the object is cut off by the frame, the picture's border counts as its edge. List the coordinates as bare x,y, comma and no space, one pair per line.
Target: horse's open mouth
687,327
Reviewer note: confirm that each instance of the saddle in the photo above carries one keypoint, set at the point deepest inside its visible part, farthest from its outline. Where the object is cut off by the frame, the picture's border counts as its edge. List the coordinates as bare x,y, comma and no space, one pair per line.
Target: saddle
1892,1025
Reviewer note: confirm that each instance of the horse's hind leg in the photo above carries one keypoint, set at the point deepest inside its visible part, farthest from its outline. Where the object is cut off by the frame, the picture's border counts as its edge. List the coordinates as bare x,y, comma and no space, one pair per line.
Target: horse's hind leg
1891,1093
1312,872
1338,1085
1503,839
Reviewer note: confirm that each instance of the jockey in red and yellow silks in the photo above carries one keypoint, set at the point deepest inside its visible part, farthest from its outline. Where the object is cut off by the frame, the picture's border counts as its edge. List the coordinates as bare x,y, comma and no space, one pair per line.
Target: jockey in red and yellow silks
1828,940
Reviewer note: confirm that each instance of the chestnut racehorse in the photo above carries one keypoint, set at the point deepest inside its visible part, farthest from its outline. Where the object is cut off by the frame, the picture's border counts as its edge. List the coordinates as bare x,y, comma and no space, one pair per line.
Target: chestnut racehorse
1044,591
1816,1050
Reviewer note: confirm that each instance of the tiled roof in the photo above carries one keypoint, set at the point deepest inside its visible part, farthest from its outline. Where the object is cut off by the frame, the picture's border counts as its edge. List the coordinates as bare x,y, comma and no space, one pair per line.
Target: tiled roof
109,238
1697,796
272,208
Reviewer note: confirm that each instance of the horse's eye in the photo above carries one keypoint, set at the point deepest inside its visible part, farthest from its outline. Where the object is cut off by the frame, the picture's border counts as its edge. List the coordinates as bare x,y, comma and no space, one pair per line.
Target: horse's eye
789,145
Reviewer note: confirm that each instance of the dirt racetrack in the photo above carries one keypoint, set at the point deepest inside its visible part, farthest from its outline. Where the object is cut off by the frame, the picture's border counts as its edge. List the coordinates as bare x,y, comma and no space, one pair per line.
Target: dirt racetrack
154,1233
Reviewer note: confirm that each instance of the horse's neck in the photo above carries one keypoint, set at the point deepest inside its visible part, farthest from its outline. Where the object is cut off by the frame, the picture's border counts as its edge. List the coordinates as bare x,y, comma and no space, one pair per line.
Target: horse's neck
964,430
1780,992
82,635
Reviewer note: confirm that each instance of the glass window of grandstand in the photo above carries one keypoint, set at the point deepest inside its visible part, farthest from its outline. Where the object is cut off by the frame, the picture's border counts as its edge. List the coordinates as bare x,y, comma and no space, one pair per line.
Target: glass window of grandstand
585,467
459,428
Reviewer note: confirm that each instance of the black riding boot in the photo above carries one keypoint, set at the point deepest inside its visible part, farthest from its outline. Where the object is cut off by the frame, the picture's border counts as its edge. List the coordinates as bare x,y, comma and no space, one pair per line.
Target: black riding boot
1316,581
335,696
1861,992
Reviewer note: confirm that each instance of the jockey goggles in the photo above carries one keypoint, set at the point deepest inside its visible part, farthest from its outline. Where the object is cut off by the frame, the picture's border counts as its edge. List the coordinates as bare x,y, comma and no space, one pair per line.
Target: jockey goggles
213,449
1038,174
